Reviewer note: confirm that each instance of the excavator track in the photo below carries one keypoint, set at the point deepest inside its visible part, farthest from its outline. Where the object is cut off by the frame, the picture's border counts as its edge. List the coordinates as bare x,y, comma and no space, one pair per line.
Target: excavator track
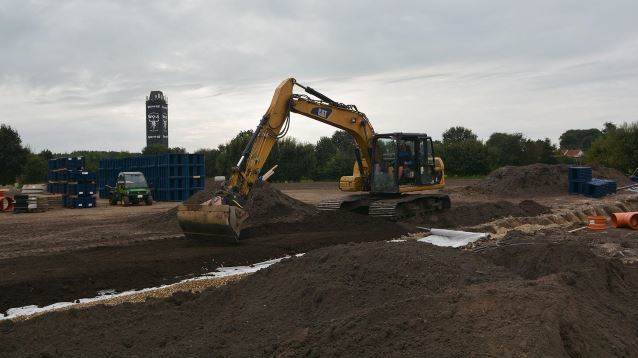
392,208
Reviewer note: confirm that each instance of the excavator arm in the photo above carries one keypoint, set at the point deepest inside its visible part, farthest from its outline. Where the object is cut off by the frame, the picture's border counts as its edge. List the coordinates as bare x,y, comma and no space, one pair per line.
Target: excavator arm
275,122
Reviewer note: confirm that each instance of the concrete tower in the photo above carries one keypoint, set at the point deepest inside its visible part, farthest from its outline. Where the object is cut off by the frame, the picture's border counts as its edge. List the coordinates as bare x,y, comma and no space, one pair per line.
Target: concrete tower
156,119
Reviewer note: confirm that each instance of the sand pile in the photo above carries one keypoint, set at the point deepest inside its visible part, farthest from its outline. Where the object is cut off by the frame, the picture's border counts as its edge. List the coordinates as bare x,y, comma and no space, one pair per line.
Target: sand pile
375,299
536,180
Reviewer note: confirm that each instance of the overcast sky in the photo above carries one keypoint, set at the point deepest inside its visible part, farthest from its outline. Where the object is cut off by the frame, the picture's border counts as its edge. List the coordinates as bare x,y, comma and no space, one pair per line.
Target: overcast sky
74,74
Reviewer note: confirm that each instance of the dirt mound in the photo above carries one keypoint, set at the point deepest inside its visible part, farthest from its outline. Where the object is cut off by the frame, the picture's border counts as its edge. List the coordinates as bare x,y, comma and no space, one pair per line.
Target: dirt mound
375,299
536,180
266,204
471,214
205,194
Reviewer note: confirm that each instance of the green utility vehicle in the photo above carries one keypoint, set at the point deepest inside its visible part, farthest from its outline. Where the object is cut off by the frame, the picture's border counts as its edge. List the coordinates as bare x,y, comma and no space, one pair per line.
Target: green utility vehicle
131,188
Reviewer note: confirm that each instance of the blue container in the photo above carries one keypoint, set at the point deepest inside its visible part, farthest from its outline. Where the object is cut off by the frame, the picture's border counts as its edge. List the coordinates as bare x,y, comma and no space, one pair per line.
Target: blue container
579,174
81,189
74,163
597,188
577,187
81,176
80,202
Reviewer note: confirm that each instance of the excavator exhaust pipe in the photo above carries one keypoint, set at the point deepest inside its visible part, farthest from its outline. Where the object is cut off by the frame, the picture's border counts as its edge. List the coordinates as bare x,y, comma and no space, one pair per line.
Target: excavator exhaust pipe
221,223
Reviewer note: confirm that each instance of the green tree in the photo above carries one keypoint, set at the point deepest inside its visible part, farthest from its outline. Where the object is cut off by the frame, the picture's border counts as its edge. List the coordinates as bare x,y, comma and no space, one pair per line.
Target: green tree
539,151
608,126
231,152
35,170
579,138
462,152
210,161
296,161
344,158
617,148
325,154
458,134
12,155
505,149
46,154
155,149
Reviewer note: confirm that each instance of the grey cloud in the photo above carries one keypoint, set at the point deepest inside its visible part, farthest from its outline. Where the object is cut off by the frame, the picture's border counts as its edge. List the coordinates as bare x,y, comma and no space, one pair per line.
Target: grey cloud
103,57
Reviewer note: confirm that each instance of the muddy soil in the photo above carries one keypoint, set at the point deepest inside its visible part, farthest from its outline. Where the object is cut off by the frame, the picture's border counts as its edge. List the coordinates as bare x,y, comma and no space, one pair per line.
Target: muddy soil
66,276
535,180
551,297
470,214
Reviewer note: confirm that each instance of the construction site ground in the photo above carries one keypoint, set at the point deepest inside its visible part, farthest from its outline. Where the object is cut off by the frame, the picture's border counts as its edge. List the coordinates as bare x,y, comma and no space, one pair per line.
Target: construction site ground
533,289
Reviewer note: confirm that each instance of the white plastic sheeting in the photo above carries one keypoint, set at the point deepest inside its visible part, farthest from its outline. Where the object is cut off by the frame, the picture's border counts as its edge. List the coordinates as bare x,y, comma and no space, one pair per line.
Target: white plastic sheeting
452,238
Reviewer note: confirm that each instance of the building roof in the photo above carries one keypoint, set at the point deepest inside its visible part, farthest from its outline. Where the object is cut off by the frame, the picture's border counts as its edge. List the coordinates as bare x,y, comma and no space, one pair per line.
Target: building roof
572,153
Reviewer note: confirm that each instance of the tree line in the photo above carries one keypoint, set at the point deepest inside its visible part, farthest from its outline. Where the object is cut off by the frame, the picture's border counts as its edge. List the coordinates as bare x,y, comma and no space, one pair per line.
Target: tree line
463,153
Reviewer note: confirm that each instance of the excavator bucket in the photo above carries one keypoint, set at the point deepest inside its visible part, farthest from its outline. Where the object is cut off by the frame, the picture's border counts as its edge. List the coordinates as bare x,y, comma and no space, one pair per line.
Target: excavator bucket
218,222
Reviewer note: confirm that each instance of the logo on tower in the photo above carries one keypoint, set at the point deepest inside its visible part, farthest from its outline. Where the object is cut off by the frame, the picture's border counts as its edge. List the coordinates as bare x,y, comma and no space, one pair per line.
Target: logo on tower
153,118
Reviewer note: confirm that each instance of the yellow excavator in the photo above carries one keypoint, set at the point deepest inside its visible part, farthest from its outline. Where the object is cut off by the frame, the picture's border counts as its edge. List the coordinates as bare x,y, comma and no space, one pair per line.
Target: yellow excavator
387,167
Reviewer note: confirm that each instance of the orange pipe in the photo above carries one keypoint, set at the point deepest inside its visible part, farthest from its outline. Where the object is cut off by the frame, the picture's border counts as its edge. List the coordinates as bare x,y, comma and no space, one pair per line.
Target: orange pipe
596,223
625,219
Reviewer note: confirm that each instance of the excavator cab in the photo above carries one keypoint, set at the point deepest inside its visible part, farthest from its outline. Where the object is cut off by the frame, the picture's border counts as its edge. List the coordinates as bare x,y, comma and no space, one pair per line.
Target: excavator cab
404,162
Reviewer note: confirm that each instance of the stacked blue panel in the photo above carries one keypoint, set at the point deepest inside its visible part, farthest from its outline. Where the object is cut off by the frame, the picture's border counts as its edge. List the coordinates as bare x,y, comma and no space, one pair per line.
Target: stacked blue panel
59,169
80,176
578,178
79,202
597,188
80,189
580,174
106,176
172,177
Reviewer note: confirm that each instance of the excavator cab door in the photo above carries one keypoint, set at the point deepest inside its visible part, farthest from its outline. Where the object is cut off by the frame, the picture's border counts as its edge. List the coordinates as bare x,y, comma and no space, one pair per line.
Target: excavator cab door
426,172
384,168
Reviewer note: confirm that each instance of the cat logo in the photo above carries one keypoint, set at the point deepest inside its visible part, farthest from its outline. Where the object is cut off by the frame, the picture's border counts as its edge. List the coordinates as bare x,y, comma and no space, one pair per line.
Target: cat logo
321,112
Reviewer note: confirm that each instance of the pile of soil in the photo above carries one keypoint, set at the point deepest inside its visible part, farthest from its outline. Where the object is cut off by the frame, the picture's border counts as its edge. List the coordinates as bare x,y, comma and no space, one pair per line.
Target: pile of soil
205,194
470,214
536,180
373,299
265,204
